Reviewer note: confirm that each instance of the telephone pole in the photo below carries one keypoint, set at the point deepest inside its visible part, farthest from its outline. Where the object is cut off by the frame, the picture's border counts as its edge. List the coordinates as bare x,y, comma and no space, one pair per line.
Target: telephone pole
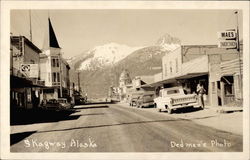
238,49
79,85
30,26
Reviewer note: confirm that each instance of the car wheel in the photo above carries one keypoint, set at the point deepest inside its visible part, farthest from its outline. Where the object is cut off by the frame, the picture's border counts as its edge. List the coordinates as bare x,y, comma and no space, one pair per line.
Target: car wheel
170,111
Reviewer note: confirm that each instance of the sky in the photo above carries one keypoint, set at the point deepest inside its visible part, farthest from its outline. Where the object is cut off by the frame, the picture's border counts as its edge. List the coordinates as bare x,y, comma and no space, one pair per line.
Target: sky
80,30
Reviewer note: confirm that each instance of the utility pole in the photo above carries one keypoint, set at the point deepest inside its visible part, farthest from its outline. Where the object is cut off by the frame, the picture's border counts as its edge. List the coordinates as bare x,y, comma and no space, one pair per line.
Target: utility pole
79,85
238,49
30,26
60,74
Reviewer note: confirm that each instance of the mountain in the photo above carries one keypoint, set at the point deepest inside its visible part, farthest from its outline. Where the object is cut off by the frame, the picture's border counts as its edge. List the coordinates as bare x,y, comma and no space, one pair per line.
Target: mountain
168,43
101,56
101,66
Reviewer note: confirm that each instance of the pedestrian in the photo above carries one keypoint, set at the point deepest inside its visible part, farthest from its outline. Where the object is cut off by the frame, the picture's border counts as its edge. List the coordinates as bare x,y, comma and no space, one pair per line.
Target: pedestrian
201,91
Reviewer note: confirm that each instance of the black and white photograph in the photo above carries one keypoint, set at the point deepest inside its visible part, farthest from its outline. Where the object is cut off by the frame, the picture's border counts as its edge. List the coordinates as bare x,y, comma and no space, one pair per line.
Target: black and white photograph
130,80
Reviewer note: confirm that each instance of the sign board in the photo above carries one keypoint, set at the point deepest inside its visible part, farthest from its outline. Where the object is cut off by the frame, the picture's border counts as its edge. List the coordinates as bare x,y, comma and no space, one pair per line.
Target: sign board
30,70
227,35
229,44
227,39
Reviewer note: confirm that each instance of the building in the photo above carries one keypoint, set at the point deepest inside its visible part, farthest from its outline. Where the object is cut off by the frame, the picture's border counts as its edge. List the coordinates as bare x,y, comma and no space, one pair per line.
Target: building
54,70
190,64
25,83
125,83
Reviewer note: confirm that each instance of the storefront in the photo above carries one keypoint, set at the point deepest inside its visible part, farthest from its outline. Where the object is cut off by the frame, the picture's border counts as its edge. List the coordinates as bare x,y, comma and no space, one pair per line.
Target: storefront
231,82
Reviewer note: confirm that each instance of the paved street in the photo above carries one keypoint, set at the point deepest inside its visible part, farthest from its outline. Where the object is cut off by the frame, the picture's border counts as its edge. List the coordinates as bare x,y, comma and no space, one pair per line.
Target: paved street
117,128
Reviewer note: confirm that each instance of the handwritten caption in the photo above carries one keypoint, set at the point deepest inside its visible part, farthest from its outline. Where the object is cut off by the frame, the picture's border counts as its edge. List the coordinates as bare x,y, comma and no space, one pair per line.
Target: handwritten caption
213,143
35,143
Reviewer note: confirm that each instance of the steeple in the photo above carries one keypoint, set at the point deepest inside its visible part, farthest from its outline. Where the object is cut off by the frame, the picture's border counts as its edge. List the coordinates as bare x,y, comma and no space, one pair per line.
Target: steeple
52,37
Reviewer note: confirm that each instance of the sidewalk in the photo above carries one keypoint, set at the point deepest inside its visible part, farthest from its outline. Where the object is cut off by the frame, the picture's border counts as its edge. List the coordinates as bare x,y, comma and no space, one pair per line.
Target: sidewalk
229,119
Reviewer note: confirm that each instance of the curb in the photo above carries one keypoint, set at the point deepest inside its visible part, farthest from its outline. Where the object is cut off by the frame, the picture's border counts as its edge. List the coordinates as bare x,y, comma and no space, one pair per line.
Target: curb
228,111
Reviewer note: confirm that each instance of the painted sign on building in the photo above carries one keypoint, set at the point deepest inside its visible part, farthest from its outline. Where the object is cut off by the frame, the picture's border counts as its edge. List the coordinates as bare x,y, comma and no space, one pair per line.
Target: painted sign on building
30,70
227,39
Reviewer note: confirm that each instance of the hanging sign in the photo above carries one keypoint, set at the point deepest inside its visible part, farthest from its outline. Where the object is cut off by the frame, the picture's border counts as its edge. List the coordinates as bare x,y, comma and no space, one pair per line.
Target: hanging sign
30,70
227,39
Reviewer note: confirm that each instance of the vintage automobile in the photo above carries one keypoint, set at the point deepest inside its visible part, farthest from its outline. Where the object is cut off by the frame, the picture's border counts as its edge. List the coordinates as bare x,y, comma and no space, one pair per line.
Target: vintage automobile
52,104
133,98
174,98
63,104
145,100
58,105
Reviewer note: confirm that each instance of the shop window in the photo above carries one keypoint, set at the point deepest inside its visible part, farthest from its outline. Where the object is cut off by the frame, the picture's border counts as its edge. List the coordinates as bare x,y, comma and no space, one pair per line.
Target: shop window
228,85
229,90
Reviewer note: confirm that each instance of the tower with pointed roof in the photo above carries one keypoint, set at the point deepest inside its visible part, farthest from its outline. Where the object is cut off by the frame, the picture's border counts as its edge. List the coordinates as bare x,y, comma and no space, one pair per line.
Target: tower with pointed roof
54,69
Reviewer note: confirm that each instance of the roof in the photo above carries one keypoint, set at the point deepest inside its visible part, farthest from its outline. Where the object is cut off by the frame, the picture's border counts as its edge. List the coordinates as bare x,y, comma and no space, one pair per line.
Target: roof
171,80
52,37
191,75
28,42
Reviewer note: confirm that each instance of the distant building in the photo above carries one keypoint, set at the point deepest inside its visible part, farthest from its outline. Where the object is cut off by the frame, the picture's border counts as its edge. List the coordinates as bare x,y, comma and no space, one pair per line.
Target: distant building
25,81
125,82
54,69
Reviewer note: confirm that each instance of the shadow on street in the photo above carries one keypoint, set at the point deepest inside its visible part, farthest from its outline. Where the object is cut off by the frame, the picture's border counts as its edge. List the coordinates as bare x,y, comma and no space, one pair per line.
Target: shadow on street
23,117
185,110
92,107
17,137
128,123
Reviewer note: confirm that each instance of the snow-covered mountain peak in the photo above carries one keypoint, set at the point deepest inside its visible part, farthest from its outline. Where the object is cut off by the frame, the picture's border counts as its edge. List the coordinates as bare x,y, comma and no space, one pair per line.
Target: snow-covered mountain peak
107,54
168,42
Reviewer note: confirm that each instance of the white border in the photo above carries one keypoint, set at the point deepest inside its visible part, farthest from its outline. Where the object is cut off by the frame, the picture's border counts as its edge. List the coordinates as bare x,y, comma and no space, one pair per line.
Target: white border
6,6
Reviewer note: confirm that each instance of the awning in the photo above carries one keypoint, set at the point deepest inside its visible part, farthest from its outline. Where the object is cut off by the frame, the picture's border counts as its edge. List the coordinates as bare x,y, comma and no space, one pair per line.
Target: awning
172,80
19,82
191,75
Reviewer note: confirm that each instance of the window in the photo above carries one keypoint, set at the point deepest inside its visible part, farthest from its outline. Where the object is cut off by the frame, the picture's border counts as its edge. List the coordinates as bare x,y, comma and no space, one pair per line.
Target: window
58,77
55,62
173,91
229,90
54,77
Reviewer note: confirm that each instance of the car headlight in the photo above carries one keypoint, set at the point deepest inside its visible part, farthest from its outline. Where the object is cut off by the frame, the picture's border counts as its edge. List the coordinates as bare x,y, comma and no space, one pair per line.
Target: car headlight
171,101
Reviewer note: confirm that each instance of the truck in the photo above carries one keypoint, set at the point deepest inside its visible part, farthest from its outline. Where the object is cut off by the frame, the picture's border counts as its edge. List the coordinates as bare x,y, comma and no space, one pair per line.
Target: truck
174,98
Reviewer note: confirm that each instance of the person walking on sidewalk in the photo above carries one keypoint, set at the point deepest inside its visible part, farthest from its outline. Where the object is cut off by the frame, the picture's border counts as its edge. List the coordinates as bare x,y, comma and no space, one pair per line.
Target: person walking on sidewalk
201,91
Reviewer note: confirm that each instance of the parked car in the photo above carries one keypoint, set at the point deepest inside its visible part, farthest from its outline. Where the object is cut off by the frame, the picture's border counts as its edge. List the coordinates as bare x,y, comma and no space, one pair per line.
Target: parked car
174,98
63,104
133,98
52,104
145,100
58,104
